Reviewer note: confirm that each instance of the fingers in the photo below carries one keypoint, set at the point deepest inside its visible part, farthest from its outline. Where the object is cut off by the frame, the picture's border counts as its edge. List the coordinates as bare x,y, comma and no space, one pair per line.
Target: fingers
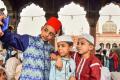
1,23
53,56
59,68
1,34
59,64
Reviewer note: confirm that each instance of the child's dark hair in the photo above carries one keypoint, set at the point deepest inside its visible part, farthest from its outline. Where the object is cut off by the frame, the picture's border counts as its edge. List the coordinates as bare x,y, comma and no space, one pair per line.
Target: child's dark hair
69,43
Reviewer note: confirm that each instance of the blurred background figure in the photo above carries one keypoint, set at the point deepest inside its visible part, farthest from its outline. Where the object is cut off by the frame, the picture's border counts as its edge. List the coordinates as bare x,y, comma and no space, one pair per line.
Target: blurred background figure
11,65
19,66
113,57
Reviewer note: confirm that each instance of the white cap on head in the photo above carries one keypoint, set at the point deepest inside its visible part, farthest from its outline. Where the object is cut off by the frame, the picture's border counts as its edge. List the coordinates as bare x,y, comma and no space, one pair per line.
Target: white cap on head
13,52
66,38
1,57
87,37
97,47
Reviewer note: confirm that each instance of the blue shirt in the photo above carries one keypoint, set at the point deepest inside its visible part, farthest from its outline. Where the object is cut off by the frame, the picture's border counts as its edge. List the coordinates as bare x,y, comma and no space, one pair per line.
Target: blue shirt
36,62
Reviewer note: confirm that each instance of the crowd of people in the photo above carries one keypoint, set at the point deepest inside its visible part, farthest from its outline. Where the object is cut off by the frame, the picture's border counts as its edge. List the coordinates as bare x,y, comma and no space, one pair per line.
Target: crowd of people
34,58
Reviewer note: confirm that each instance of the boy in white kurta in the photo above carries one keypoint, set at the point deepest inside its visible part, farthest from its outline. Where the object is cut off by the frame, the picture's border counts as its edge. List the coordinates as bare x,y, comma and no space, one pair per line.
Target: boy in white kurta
64,45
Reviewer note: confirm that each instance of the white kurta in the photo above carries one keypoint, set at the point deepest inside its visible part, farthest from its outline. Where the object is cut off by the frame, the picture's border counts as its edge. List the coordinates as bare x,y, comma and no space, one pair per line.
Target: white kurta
10,66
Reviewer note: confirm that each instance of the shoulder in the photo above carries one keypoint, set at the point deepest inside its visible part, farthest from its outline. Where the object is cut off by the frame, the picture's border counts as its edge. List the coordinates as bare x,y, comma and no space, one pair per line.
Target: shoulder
94,61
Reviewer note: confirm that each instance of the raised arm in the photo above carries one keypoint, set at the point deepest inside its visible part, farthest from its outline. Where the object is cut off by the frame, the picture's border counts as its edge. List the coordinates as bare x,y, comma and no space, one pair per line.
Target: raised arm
18,41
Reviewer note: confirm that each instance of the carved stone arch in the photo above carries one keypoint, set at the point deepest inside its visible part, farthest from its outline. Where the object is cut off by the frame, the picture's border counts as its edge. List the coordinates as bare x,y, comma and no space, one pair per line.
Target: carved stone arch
8,6
106,2
24,6
10,10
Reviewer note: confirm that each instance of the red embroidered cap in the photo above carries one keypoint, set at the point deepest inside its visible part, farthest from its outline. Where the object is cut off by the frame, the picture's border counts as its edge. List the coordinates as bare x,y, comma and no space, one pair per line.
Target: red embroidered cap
55,23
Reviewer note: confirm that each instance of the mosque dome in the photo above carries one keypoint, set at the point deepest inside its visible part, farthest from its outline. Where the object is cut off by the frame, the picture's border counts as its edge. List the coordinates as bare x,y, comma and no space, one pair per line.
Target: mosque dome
109,26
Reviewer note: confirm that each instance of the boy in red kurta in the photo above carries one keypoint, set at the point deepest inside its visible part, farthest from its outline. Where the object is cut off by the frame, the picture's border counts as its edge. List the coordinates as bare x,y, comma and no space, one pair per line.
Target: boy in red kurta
88,66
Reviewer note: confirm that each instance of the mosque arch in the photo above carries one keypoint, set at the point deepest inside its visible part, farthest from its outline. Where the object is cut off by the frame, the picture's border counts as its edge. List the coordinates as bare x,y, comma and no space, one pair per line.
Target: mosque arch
102,45
30,19
114,45
108,46
72,15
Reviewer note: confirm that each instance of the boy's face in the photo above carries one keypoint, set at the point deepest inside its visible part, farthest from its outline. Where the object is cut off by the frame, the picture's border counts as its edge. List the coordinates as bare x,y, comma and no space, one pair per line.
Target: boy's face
47,33
63,48
83,46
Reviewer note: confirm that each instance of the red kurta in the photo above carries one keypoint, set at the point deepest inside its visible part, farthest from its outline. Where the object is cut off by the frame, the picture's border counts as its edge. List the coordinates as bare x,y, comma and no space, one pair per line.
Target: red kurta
115,59
87,69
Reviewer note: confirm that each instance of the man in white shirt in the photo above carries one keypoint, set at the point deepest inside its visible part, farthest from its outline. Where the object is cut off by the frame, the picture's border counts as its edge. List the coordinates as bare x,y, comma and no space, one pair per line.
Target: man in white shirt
11,65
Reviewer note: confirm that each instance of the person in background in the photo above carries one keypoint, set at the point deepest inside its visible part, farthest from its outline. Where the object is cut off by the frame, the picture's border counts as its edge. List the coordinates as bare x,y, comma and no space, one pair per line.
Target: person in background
105,57
105,73
19,67
11,65
36,49
98,49
3,51
64,46
113,57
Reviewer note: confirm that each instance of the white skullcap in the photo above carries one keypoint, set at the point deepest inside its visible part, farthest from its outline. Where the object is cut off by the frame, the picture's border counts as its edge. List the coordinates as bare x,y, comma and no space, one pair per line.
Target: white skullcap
97,47
13,52
66,38
88,37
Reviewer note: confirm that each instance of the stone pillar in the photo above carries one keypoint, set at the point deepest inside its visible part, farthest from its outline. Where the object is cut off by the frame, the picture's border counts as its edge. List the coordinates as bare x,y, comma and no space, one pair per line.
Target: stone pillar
92,20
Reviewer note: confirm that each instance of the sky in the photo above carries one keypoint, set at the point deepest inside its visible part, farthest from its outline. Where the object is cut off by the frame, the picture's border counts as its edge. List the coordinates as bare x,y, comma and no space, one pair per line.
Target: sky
72,17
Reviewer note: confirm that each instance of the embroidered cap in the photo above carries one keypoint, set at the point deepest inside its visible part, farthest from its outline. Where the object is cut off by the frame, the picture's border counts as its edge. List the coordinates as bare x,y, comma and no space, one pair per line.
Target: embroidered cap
55,23
64,38
88,37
